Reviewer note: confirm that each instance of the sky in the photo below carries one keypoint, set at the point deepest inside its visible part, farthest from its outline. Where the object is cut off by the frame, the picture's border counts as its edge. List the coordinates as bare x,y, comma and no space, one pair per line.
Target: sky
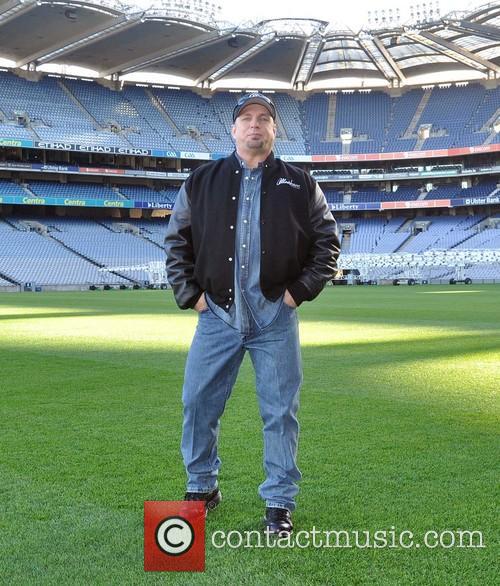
353,14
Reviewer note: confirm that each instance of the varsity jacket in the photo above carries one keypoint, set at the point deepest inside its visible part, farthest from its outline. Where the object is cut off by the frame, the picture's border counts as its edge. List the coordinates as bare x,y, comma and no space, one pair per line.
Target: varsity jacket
299,243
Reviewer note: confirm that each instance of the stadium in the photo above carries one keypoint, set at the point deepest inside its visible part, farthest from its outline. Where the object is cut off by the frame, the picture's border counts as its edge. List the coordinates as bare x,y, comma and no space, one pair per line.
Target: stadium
105,109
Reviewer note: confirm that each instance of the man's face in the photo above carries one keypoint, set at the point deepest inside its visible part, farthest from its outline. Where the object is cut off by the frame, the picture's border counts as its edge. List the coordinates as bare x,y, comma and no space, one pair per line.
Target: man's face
254,131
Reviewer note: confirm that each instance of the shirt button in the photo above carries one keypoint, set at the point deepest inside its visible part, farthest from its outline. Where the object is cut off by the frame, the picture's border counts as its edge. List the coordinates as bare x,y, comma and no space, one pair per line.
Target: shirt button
244,245
245,221
227,306
234,197
230,290
236,172
248,198
231,227
230,299
230,259
246,178
242,266
263,252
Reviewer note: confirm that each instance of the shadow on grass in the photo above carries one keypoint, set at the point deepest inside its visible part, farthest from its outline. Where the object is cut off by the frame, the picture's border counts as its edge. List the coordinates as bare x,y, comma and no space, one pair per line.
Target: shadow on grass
52,315
375,352
381,308
89,435
407,350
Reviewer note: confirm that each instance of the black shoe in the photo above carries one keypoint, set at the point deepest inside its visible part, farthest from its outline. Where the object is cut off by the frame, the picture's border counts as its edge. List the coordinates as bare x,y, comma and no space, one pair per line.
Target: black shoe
212,499
278,521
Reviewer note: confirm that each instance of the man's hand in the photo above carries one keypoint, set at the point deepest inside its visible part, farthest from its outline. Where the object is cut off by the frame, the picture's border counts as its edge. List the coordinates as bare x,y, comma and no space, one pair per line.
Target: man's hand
201,304
288,299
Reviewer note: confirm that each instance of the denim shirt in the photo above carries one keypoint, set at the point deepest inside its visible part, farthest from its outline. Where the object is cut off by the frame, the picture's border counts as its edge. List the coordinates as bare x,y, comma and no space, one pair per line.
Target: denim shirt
249,302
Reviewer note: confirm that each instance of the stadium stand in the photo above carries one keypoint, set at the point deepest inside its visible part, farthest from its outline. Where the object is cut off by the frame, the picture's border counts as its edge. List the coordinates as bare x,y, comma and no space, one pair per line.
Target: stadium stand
11,188
195,120
317,127
457,113
367,115
366,234
487,238
392,237
69,251
42,120
436,230
27,256
122,242
107,245
72,190
333,196
142,193
186,121
153,230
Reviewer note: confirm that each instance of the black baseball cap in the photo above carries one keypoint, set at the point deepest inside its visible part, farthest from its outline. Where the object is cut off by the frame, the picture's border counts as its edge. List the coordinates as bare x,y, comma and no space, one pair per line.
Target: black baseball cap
254,98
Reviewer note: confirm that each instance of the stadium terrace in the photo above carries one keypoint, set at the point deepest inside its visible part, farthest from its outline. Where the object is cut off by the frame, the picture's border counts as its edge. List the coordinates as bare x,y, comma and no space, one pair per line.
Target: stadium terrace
399,125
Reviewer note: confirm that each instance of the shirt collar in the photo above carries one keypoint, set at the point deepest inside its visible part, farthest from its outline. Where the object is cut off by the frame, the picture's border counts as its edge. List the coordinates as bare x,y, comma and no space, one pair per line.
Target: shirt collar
243,164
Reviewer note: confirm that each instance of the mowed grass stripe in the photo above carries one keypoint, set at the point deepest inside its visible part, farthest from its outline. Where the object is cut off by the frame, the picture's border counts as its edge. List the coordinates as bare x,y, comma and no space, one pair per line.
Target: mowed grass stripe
399,413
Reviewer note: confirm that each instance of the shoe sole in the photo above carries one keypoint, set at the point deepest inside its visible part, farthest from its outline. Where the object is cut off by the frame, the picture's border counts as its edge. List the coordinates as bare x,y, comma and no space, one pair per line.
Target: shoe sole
278,534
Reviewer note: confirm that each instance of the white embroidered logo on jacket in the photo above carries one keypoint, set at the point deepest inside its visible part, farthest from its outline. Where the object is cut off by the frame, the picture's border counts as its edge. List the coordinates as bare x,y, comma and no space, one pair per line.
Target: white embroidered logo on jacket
283,180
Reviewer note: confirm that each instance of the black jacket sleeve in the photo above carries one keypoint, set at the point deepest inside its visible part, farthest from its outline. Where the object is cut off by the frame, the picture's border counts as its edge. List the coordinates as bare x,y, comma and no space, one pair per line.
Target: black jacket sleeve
322,257
180,255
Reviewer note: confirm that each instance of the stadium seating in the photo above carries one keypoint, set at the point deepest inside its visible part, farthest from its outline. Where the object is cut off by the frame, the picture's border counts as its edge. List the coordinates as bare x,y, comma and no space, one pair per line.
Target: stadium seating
29,257
391,237
153,230
142,193
315,126
367,233
193,116
10,188
402,111
488,238
106,247
184,120
458,112
89,190
47,123
291,141
436,231
366,114
69,251
333,196
72,190
66,251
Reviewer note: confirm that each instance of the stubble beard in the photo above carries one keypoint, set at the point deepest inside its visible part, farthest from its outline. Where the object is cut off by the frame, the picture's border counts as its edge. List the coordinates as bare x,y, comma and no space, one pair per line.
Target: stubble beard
255,144
259,145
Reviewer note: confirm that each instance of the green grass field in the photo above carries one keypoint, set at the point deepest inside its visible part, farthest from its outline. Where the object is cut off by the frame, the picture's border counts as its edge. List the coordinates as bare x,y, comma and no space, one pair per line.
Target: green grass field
399,428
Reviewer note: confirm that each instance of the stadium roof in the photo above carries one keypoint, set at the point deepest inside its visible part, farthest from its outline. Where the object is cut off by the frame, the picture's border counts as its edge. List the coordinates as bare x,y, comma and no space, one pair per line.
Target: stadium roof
183,44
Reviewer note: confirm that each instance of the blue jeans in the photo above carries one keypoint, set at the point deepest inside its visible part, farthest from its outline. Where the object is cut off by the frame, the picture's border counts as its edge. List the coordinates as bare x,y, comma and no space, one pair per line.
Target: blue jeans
212,365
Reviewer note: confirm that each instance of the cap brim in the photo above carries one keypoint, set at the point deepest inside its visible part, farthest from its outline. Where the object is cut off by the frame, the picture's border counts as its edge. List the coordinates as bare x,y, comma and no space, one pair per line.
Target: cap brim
258,101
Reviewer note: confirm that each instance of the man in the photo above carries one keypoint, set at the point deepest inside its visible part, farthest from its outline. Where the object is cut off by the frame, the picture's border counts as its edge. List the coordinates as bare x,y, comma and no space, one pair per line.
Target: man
250,239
